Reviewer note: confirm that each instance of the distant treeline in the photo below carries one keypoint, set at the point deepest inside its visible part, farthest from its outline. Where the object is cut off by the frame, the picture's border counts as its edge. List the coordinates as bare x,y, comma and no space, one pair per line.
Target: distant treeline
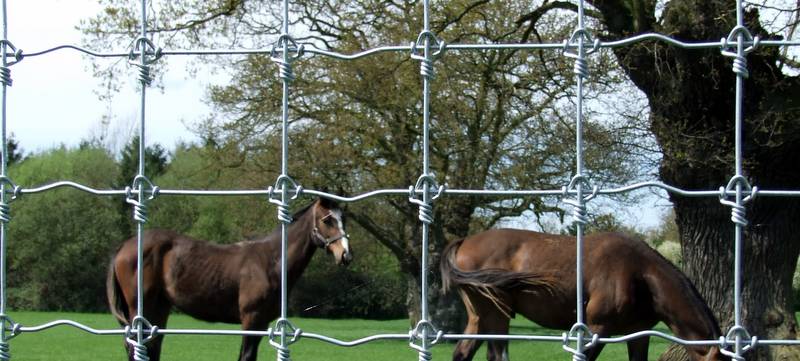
60,241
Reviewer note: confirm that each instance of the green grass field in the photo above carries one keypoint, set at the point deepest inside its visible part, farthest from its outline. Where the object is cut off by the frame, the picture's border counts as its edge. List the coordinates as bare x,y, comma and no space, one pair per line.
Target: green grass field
65,343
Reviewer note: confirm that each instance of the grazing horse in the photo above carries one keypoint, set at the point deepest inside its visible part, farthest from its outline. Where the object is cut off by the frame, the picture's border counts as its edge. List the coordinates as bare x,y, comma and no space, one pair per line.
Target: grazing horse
236,283
628,287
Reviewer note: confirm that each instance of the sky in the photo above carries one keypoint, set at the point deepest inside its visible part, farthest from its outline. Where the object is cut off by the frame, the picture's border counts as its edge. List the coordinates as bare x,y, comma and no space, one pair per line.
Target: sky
54,97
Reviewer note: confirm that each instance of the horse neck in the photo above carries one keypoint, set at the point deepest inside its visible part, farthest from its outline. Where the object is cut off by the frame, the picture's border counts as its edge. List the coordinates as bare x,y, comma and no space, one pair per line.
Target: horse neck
300,245
681,306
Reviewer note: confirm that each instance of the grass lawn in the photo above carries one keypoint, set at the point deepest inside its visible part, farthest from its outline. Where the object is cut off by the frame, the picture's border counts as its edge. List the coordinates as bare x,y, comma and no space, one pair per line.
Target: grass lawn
65,343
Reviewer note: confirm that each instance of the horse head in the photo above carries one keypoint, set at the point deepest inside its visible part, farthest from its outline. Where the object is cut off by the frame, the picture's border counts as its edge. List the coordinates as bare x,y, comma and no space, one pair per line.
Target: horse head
329,233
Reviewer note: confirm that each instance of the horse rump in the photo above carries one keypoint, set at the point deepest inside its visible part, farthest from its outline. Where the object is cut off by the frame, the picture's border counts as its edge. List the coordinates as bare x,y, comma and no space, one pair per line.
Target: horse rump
492,283
113,291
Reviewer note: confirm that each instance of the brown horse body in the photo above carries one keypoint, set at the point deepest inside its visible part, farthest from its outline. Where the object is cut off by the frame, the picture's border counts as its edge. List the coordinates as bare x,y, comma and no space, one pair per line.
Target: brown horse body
628,287
237,283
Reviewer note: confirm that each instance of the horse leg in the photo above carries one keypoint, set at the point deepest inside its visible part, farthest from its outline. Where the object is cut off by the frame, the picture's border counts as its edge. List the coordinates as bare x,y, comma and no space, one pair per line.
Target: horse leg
495,322
465,349
156,312
593,352
637,349
251,321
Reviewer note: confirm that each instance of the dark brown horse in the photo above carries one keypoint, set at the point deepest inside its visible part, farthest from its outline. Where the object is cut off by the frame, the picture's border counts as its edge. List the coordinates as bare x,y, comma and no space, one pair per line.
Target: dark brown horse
236,283
628,287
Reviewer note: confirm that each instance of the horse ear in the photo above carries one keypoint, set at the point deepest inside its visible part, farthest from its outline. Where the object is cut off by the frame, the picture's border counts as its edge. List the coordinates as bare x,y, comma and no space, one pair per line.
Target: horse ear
328,203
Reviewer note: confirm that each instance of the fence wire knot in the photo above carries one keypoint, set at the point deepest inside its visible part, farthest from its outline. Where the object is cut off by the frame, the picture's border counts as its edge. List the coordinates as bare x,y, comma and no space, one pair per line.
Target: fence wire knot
140,208
738,210
739,60
140,324
282,329
5,71
579,211
284,215
578,330
427,39
5,351
11,328
143,45
581,67
425,183
288,44
5,208
425,331
737,337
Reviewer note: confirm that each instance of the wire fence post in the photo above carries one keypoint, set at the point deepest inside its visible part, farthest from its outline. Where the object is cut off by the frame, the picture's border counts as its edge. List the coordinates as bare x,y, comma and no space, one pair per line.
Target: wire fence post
142,55
744,43
579,185
432,49
289,52
8,328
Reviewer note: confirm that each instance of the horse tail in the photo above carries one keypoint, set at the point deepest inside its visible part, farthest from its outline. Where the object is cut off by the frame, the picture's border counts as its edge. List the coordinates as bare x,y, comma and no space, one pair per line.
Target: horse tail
113,291
492,283
447,265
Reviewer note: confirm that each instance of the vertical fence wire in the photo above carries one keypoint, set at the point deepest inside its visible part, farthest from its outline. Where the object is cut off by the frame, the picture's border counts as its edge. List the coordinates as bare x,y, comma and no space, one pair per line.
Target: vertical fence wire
738,183
140,323
424,329
285,41
578,40
5,353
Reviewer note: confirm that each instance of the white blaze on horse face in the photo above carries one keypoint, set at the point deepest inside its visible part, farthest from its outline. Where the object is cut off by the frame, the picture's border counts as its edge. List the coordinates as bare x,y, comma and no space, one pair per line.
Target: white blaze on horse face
345,242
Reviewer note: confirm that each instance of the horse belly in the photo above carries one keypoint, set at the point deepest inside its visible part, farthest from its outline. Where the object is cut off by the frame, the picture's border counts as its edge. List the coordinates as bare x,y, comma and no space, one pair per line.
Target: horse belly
218,307
544,309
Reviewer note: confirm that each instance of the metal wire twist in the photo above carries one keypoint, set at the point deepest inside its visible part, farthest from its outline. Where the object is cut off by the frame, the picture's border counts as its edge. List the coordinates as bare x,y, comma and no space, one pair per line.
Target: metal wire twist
139,325
281,327
140,352
738,209
288,43
579,211
5,351
581,66
5,75
425,183
5,212
140,208
735,338
424,331
578,331
284,214
151,55
427,39
5,70
739,60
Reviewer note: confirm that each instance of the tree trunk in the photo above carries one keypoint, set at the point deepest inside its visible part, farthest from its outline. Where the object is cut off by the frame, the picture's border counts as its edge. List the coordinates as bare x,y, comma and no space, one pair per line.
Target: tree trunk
692,99
769,259
446,311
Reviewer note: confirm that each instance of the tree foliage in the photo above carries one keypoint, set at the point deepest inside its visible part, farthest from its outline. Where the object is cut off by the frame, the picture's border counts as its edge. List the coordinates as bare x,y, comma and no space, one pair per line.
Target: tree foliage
60,241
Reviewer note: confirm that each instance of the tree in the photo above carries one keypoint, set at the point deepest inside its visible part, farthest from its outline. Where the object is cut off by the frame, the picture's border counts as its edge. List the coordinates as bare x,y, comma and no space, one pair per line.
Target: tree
500,118
15,152
691,97
59,241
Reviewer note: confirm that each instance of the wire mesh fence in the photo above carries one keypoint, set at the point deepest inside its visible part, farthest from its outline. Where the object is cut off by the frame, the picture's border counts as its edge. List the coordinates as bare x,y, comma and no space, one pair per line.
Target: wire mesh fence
426,49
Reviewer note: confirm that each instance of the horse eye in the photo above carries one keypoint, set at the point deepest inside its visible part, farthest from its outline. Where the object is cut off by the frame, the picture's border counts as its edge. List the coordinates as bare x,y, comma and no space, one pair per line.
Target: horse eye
328,221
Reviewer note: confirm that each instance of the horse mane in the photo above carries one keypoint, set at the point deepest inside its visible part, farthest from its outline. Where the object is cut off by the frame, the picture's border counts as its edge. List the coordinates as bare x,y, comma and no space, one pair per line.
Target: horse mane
492,283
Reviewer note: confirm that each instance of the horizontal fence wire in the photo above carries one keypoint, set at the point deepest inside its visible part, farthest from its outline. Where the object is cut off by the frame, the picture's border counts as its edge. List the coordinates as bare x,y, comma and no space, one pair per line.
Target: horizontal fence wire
405,192
290,52
311,49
